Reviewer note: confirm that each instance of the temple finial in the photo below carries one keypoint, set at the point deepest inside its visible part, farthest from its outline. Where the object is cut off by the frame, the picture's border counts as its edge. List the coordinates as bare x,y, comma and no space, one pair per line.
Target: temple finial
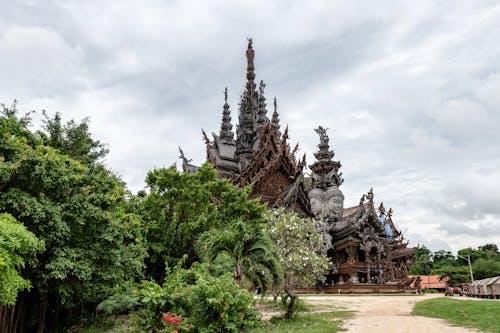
276,120
226,133
381,209
262,111
250,67
369,195
324,164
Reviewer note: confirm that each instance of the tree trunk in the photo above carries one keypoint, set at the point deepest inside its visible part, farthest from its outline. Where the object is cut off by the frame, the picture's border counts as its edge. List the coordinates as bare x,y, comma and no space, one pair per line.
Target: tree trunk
42,313
237,274
7,316
291,303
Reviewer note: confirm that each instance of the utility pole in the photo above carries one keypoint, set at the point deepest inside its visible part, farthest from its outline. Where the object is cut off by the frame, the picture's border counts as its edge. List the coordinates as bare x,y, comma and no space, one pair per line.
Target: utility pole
470,266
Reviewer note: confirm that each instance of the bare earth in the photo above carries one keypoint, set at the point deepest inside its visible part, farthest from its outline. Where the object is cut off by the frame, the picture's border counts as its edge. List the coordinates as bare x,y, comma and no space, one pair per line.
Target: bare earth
387,314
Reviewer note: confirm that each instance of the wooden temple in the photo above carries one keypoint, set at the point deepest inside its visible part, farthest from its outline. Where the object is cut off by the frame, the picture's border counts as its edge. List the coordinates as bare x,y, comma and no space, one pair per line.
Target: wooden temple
367,252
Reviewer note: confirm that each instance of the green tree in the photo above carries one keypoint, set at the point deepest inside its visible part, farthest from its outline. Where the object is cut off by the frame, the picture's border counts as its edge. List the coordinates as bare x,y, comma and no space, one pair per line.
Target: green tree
73,139
423,262
182,206
489,247
252,252
15,243
455,275
79,212
443,258
485,268
302,252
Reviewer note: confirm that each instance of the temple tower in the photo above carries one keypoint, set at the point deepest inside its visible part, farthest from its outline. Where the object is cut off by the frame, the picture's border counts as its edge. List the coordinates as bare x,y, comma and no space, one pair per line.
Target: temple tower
327,201
247,127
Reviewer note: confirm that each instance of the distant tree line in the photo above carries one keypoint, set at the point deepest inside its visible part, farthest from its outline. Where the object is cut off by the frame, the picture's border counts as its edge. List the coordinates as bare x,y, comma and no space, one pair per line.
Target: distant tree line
485,262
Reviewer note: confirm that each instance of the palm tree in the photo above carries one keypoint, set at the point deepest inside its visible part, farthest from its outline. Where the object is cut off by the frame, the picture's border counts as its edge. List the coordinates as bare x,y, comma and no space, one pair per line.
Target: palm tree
253,252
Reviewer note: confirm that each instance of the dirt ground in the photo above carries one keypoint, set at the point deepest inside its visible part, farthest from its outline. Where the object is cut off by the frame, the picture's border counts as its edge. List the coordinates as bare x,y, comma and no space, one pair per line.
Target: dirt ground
387,314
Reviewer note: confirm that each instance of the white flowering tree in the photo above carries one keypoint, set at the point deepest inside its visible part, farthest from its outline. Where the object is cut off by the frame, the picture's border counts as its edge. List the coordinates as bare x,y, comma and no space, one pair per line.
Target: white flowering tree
302,251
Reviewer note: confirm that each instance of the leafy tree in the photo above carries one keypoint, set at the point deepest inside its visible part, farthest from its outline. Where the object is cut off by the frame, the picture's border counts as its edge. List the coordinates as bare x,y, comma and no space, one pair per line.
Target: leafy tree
250,249
489,247
79,213
443,258
474,254
72,139
423,262
455,275
485,268
302,251
15,243
182,206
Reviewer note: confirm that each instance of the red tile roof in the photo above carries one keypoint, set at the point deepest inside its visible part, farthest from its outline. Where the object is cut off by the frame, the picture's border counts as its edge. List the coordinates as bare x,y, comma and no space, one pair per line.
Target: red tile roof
429,281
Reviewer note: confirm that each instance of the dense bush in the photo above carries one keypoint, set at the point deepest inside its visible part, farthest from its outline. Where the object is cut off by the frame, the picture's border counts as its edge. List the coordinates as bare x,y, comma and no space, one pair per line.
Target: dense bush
194,300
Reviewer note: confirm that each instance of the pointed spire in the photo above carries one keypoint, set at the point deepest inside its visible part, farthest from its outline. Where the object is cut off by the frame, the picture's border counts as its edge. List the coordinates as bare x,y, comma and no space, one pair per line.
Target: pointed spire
324,153
276,120
250,68
262,111
369,196
324,166
226,133
246,134
381,209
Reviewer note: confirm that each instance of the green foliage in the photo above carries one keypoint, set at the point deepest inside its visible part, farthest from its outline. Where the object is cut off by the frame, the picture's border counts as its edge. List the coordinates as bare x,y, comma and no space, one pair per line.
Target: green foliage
431,291
15,243
443,258
202,302
489,247
123,300
72,139
252,252
423,262
455,275
181,206
301,249
485,260
77,210
478,314
485,268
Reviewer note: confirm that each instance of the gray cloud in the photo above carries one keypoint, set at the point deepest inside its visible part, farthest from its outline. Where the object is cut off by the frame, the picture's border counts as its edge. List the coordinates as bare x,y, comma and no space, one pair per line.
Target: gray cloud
408,90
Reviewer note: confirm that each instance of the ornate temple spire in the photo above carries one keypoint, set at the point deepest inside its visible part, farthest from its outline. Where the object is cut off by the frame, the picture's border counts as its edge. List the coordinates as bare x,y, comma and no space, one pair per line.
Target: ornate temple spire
250,69
324,153
246,131
369,195
381,209
325,167
275,119
262,111
226,133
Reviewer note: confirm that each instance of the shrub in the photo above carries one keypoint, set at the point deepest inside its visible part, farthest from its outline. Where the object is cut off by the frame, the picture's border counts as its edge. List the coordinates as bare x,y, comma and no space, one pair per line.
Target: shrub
122,301
192,300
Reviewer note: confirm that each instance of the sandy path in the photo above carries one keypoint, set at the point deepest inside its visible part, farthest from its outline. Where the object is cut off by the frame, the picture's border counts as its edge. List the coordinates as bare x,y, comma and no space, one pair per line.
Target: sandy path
387,314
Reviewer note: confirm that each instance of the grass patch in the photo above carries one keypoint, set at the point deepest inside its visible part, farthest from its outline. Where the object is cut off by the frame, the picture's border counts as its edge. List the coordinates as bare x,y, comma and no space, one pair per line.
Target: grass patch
268,305
327,322
478,314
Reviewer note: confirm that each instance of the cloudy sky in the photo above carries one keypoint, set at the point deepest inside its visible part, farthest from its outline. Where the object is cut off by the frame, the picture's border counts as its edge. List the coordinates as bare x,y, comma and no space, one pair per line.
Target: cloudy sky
410,90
